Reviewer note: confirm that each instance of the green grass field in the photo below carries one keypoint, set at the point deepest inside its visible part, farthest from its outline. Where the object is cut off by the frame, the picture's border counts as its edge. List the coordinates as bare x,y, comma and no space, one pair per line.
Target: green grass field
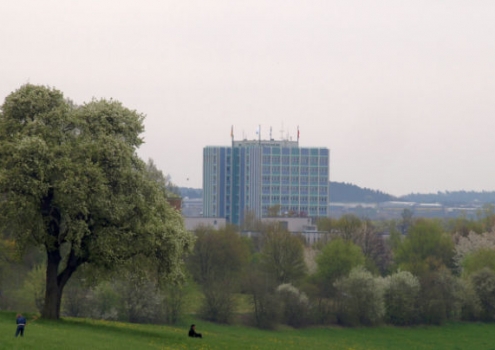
83,334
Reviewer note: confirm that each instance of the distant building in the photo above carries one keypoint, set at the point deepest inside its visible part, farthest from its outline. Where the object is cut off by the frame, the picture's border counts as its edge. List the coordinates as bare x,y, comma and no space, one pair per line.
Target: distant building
263,177
192,223
192,207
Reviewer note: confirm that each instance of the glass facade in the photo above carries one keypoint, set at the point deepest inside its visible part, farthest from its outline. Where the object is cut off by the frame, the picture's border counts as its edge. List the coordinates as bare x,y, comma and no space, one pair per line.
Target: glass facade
260,176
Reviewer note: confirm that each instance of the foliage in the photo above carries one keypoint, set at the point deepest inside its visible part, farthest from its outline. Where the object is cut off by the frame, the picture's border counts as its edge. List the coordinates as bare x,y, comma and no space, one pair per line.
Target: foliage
218,255
76,301
376,252
217,264
139,301
265,302
470,302
484,285
218,303
164,182
475,261
439,298
473,242
360,298
7,256
75,186
282,256
105,301
426,248
406,220
326,224
348,225
34,287
463,226
336,260
174,301
401,298
486,216
295,305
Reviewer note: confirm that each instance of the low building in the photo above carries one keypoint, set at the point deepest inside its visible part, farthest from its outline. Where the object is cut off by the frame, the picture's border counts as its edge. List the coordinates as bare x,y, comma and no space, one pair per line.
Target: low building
193,223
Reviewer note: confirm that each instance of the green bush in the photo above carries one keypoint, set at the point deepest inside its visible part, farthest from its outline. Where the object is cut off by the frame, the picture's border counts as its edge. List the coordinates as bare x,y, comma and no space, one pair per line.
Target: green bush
360,298
484,285
336,260
401,298
479,259
295,305
470,302
439,297
218,303
266,303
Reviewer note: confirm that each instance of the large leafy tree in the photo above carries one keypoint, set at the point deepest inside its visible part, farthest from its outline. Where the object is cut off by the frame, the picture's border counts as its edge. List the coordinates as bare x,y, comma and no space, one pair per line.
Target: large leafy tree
282,255
336,260
72,183
218,262
426,248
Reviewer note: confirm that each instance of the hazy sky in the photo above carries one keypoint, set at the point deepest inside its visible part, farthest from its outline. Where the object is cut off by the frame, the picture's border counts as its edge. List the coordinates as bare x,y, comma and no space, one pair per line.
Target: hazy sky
402,92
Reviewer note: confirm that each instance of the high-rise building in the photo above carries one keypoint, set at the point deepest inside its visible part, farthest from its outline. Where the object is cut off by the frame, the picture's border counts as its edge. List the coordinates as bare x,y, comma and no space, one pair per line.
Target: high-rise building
263,177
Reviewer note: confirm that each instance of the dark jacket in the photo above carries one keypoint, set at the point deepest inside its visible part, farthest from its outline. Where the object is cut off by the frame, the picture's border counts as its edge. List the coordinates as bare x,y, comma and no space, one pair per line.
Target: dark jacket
21,321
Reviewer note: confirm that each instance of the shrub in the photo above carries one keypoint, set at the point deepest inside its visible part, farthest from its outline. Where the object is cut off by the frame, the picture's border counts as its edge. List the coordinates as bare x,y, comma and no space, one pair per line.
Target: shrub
484,285
295,305
439,297
401,297
336,260
470,303
473,242
174,300
140,299
75,301
266,303
33,290
218,303
477,260
105,302
360,298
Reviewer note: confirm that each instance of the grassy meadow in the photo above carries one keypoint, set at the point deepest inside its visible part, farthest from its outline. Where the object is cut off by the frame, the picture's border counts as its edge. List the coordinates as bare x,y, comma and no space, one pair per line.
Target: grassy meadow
83,334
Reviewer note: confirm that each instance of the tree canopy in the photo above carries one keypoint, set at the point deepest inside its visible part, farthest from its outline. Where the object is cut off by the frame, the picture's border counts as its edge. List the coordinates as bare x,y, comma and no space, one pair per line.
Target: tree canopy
425,248
73,184
336,260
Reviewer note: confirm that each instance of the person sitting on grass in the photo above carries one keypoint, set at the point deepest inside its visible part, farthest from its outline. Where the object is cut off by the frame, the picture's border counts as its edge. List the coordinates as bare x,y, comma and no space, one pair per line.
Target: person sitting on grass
21,323
192,332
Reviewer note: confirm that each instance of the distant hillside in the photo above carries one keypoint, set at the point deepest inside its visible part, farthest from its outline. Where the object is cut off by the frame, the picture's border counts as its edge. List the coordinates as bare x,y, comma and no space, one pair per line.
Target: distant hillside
455,197
339,192
345,192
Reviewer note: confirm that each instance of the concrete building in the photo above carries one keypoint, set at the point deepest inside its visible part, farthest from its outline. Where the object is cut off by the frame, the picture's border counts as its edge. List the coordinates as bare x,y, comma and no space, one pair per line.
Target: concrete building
263,176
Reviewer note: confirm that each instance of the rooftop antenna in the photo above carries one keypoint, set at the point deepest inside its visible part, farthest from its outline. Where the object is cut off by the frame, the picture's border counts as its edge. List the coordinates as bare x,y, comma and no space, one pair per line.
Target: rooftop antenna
271,133
282,132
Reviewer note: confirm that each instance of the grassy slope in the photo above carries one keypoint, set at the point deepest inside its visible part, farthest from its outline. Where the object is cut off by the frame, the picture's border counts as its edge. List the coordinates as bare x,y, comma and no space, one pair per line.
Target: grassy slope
86,334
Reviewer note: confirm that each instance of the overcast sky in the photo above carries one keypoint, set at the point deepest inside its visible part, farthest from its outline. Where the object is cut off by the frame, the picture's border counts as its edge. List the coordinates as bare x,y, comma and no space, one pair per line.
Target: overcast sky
401,92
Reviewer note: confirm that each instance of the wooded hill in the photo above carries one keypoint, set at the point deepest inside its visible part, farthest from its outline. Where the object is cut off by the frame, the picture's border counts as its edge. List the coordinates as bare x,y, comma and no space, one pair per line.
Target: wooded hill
347,192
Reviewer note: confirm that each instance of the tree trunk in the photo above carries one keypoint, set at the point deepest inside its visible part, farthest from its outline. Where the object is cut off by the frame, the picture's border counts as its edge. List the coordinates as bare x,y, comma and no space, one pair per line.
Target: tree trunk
53,291
55,282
